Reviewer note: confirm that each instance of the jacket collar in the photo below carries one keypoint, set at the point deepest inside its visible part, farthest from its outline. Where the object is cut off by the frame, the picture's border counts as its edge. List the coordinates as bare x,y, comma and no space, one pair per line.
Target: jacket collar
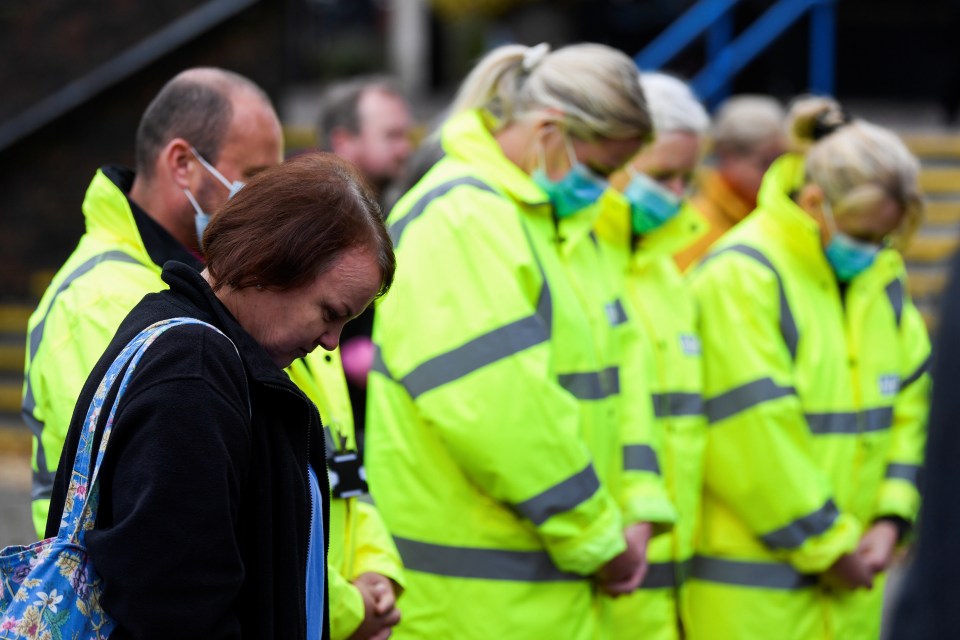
613,225
728,204
785,221
110,213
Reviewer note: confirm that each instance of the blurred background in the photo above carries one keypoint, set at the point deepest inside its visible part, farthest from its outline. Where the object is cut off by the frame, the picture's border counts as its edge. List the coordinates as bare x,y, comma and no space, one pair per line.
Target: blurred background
76,77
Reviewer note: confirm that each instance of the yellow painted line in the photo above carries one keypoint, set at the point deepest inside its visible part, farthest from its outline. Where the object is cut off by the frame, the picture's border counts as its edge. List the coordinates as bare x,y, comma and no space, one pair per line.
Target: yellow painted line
942,212
931,248
940,179
10,397
930,144
11,358
14,317
922,283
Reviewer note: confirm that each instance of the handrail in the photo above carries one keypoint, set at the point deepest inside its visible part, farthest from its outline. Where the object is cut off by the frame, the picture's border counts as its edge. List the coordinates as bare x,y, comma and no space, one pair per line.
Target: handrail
682,32
178,32
726,57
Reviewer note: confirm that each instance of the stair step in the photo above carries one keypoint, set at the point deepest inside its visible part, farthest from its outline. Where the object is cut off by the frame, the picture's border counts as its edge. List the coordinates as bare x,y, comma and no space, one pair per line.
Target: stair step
11,392
14,318
942,212
931,145
927,247
12,357
940,180
924,283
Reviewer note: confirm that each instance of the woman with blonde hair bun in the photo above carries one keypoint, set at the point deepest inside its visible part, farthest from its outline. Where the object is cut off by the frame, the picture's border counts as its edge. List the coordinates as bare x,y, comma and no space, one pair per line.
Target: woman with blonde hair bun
816,389
492,413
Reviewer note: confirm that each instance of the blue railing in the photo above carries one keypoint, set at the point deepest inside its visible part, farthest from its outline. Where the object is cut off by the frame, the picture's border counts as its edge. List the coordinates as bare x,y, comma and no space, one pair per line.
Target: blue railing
727,55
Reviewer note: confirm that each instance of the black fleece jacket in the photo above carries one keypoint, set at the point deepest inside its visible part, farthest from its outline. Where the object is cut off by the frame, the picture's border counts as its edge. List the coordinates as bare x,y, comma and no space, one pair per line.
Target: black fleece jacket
204,517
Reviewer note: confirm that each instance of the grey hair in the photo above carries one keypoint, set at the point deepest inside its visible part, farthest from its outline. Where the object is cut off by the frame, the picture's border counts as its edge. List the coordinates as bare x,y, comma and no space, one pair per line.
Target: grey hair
673,105
744,122
594,87
195,105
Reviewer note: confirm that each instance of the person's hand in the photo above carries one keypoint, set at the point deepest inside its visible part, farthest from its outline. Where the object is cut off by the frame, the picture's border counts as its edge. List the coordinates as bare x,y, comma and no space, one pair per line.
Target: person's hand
877,546
357,357
380,613
624,573
849,572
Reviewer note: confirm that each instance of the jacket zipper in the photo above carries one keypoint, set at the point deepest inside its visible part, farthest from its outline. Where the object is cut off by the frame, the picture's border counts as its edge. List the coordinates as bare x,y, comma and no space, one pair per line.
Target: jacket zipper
303,585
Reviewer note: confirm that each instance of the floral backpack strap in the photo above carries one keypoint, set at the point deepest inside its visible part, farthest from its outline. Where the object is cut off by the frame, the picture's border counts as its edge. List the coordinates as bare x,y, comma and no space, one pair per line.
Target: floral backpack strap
80,507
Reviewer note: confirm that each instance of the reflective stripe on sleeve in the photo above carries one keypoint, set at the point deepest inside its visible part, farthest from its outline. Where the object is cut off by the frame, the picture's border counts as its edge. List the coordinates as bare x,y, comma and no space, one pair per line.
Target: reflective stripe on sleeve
895,294
902,471
800,530
763,575
850,422
592,385
744,397
916,375
788,326
640,457
479,563
677,404
398,227
562,497
43,478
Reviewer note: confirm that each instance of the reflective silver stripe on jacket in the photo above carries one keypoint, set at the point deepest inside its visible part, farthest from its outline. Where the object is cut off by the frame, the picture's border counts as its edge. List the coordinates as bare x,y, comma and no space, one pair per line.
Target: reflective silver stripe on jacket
640,457
677,404
903,471
562,497
800,530
788,325
666,575
592,385
43,478
850,422
916,375
479,563
743,573
744,397
895,295
398,227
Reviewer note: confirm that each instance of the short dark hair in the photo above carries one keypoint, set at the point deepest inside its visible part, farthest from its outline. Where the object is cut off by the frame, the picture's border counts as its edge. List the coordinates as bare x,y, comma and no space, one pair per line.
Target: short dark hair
195,105
339,105
292,222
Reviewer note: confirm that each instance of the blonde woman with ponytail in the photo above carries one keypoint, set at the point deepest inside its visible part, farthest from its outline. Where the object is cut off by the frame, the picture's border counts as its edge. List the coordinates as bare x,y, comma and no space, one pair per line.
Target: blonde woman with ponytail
816,390
493,427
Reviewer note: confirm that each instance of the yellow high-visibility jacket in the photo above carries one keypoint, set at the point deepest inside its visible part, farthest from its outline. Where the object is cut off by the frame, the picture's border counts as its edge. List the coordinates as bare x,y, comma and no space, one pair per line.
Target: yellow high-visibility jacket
492,425
103,279
359,540
666,352
817,401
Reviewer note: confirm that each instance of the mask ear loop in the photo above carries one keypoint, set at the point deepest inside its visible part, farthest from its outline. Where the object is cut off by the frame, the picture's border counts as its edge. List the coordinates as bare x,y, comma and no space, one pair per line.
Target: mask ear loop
232,187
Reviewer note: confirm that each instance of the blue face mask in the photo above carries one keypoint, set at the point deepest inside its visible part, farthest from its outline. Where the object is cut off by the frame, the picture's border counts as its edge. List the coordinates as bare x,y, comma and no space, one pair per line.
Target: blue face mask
575,191
651,204
201,218
848,256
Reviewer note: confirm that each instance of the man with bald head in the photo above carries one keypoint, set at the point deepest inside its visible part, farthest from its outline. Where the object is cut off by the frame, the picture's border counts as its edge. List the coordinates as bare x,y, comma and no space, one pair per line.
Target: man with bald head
205,133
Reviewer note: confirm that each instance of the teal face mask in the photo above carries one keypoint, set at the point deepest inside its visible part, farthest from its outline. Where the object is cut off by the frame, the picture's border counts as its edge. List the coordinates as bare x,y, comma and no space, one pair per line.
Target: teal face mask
848,256
575,191
651,204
